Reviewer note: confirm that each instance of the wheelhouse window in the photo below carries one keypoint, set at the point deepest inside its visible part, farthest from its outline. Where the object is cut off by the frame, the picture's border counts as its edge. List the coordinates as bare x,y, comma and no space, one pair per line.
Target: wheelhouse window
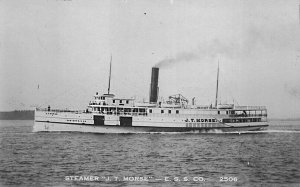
162,111
127,101
120,101
114,101
169,111
177,111
150,110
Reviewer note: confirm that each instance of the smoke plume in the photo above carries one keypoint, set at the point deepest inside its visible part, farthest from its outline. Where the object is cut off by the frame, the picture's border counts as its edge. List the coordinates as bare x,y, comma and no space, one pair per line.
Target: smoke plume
208,50
182,57
255,42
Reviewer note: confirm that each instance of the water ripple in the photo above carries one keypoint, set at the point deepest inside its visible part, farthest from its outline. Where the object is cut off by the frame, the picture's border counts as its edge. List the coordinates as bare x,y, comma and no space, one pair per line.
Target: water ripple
44,159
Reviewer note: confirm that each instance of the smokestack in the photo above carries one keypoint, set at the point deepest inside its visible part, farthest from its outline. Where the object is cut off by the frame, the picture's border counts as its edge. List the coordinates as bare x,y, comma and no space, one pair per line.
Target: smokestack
154,85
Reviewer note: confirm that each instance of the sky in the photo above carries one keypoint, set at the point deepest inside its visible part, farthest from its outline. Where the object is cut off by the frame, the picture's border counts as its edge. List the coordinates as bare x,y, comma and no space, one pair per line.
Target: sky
57,52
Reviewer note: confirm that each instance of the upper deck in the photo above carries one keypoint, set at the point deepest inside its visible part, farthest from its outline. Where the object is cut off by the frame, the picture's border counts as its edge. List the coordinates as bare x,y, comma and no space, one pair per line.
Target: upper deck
108,104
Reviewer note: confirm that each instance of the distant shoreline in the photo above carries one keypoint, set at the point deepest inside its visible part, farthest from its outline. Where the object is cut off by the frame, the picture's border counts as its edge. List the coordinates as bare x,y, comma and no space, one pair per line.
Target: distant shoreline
284,119
17,115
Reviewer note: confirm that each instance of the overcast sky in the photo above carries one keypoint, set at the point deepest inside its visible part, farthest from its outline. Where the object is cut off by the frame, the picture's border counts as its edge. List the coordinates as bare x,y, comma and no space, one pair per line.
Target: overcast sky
57,52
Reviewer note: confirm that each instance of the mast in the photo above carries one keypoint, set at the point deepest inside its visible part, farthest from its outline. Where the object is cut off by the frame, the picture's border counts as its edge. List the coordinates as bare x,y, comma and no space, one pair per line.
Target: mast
216,103
109,75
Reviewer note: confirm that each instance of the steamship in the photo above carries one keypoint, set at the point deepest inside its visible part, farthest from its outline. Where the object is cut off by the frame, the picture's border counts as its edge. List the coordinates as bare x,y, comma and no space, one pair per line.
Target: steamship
107,113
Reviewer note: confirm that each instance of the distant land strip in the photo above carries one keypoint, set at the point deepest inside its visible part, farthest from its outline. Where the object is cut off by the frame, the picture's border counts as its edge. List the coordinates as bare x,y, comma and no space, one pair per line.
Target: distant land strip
17,115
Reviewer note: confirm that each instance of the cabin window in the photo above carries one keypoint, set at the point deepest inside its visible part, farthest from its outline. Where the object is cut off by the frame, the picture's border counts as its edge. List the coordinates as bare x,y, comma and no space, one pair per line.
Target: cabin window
227,112
150,110
114,101
218,111
135,110
162,111
169,111
120,101
226,121
127,101
177,111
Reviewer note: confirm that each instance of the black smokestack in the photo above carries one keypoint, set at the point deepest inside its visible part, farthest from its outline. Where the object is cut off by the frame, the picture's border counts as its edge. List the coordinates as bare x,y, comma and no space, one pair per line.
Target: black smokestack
154,85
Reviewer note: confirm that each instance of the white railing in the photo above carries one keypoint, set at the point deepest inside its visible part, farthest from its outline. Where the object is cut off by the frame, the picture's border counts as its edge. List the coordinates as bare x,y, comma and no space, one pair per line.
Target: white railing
60,110
250,107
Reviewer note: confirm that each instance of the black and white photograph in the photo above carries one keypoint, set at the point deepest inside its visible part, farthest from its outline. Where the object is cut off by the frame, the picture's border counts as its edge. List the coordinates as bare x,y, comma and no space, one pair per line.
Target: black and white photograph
149,93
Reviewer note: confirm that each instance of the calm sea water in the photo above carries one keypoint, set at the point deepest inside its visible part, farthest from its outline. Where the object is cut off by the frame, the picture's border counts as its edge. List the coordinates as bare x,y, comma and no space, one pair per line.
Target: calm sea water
52,159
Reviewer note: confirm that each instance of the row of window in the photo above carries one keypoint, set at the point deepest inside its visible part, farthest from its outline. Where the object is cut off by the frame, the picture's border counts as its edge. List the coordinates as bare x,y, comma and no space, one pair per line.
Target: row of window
201,125
51,113
163,111
121,101
117,109
242,120
75,120
243,112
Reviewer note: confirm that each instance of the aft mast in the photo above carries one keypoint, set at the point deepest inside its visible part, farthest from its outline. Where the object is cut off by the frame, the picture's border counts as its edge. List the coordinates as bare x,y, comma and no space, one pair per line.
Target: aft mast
216,102
108,90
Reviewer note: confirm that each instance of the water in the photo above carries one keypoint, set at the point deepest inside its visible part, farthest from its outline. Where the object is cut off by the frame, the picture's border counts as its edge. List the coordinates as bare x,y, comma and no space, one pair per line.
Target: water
47,159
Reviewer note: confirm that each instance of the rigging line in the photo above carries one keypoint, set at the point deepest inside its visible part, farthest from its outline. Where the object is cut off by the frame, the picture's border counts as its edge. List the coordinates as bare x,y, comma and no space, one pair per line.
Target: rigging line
216,103
109,74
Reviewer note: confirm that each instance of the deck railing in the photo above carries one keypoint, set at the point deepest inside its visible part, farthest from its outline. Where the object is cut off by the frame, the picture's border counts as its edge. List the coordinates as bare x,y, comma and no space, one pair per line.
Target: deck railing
123,113
60,110
250,107
248,115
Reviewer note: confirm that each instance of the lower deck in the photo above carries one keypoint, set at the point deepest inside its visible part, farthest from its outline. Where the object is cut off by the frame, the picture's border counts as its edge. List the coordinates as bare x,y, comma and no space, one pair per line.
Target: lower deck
62,127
